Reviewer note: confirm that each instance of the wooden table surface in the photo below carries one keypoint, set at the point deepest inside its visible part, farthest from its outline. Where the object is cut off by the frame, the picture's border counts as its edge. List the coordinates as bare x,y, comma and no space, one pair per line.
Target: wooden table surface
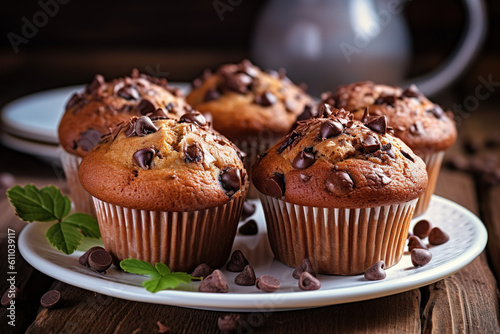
466,302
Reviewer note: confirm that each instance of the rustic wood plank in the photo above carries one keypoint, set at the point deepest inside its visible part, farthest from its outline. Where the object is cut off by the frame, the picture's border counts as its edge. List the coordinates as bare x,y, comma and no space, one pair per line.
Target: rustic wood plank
491,212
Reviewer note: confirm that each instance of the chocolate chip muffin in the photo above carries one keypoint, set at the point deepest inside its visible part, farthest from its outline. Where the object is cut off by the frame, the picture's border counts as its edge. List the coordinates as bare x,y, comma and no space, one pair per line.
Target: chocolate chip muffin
166,190
250,107
421,124
339,192
98,108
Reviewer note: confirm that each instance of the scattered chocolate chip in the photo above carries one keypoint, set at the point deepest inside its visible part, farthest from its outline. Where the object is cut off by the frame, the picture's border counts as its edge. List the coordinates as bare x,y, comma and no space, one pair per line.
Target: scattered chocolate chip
411,91
407,156
9,295
330,128
128,93
308,282
417,128
73,101
437,111
50,299
266,99
237,262
306,266
422,228
415,242
267,283
193,117
420,257
378,124
370,144
100,260
84,259
249,228
275,185
238,82
211,94
246,277
288,141
145,107
339,182
310,111
202,270
144,157
89,138
230,179
230,323
248,210
215,282
192,153
376,271
95,84
303,160
437,236
144,126
472,145
386,99
162,328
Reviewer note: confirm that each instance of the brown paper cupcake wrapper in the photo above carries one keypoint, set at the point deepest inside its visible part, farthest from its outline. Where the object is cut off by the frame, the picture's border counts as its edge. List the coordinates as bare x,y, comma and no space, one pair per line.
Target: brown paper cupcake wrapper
254,146
81,199
433,165
181,240
337,241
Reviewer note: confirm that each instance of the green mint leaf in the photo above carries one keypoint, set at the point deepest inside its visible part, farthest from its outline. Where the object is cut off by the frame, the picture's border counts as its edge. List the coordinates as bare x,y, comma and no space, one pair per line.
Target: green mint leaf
154,285
168,281
85,223
162,268
64,237
134,266
33,204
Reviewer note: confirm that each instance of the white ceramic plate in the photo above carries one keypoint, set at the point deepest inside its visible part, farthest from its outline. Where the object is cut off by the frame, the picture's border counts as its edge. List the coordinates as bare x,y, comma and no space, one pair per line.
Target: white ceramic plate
46,152
467,240
37,116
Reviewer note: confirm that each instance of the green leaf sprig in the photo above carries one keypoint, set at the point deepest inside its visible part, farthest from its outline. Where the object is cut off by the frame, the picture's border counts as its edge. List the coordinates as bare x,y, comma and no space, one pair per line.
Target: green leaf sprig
161,276
48,204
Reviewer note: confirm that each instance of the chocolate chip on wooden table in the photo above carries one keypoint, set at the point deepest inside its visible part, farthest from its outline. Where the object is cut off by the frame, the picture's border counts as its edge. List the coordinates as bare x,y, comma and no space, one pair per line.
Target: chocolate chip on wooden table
144,126
230,323
248,210
202,270
84,259
144,157
193,117
230,179
100,260
89,138
162,328
267,283
275,185
415,242
266,99
376,271
237,262
330,128
145,107
9,295
215,282
422,228
437,236
305,266
370,144
246,277
51,299
303,160
192,153
249,228
308,282
420,257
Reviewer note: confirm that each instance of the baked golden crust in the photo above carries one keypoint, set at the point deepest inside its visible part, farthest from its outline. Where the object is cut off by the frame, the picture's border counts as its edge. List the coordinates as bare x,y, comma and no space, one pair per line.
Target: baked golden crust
421,124
95,111
245,101
164,165
351,166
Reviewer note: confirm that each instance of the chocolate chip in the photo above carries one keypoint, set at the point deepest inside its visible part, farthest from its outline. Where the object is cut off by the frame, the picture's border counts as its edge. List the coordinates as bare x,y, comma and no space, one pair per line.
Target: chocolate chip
422,228
95,84
249,228
472,145
144,126
246,277
339,182
324,110
407,156
202,270
73,101
310,111
7,180
275,185
231,179
267,283
415,242
376,272
417,128
288,141
230,323
144,157
411,91
266,99
211,94
410,234
237,262
305,177
84,259
50,299
158,114
89,138
192,153
193,117
378,124
9,295
386,99
162,328
238,82
215,282
145,107
437,111
303,160
370,144
438,236
100,260
330,128
308,282
306,266
248,210
378,179
128,93
420,257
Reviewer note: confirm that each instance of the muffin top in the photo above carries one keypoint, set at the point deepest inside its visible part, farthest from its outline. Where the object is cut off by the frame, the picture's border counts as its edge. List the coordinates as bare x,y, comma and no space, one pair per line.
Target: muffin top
421,124
245,101
336,162
96,110
162,164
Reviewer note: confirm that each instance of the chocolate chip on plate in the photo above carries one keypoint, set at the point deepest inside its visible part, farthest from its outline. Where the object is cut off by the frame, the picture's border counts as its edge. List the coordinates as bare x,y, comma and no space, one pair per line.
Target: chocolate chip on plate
144,126
215,282
100,260
267,283
415,242
84,259
420,257
89,138
306,266
422,228
230,323
9,295
51,299
237,262
249,228
144,157
231,179
275,185
303,160
376,271
202,270
193,117
246,277
437,236
248,210
308,282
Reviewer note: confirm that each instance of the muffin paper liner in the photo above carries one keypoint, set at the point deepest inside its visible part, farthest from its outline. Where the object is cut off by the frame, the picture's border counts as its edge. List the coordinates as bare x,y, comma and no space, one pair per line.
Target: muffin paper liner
433,165
181,240
81,199
337,241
